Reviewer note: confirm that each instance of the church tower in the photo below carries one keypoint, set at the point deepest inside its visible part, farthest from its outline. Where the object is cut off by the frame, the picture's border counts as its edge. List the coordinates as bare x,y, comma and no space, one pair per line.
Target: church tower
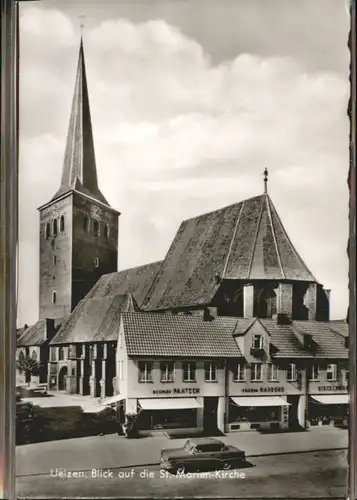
78,228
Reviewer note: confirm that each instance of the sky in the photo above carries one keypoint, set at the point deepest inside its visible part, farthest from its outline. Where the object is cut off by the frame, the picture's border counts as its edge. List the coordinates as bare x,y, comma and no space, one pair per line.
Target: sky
190,101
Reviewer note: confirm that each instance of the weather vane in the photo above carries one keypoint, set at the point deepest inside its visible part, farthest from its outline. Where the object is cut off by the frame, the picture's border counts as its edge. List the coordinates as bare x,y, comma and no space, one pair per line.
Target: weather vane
265,180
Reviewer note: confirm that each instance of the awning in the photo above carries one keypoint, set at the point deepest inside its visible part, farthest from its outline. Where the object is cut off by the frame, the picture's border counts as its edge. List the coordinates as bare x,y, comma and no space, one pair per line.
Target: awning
112,400
169,403
332,399
260,401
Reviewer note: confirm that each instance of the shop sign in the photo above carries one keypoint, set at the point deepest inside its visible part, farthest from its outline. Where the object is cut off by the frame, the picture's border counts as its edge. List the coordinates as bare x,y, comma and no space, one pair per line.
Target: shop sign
264,389
187,390
332,388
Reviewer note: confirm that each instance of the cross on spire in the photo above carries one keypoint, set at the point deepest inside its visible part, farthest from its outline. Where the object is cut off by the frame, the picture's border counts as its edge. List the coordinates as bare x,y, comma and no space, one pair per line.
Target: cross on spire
82,17
266,173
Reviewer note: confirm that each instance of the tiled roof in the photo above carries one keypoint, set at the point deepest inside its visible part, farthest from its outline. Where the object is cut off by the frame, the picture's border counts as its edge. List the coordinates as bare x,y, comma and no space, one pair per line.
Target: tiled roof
155,334
286,339
95,320
33,335
340,327
245,241
329,343
136,281
243,324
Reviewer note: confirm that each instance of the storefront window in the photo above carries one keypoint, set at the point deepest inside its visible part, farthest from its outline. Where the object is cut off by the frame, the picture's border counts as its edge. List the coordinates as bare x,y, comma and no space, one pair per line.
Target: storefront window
167,371
256,372
272,372
145,371
331,372
254,414
239,373
189,372
168,419
291,372
314,373
210,371
257,342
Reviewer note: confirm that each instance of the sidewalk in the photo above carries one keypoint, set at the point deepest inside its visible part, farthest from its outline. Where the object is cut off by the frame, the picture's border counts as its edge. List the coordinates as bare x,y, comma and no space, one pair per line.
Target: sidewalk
112,451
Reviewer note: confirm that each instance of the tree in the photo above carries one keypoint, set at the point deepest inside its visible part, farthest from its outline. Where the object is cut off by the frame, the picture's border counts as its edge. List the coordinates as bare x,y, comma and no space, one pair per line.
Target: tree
29,366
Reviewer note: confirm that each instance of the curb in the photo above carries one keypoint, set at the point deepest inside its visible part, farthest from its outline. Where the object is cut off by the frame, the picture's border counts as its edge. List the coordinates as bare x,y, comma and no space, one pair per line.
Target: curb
153,464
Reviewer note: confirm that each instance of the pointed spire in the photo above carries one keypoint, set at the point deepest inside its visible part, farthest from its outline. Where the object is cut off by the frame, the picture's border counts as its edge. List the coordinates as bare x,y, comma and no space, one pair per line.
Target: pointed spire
79,167
266,173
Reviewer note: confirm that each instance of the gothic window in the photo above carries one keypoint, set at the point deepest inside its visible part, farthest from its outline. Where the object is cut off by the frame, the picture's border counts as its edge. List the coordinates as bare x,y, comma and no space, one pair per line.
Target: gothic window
96,228
34,355
61,353
96,262
54,260
54,297
106,231
48,230
86,224
55,227
267,304
62,223
21,357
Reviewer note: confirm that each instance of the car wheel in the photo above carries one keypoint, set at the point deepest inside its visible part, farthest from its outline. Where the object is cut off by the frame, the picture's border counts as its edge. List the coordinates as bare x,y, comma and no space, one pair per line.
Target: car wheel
180,469
227,465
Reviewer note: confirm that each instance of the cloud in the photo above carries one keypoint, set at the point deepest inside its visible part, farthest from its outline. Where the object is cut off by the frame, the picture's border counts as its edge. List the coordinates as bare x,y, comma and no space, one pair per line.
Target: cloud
177,134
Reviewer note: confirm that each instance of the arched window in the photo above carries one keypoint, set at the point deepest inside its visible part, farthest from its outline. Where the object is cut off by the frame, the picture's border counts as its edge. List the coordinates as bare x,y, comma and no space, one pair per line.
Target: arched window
96,228
60,353
21,357
34,355
96,262
54,297
48,230
54,260
62,223
106,231
55,227
86,224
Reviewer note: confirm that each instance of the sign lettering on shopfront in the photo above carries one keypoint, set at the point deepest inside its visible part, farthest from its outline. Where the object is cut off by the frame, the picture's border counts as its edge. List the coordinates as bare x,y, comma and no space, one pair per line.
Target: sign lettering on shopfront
332,388
188,390
264,389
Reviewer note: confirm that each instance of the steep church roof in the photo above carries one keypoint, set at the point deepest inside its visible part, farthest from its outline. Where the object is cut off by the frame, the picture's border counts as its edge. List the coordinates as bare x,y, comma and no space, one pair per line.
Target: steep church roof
79,168
244,241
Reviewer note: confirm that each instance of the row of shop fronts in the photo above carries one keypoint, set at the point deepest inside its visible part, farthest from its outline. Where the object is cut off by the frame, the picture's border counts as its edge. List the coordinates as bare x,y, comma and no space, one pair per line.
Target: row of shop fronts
268,409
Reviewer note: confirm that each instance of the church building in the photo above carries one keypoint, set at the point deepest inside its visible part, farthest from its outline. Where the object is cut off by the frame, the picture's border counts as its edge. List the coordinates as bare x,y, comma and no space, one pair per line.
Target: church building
230,330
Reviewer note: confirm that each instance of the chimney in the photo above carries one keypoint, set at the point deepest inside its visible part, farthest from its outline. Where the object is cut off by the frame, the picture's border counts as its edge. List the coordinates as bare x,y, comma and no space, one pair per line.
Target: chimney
284,303
49,329
248,301
283,319
209,313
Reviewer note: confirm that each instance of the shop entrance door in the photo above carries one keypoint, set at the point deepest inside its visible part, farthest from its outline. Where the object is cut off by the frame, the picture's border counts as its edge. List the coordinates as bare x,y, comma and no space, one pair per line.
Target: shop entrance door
293,412
210,415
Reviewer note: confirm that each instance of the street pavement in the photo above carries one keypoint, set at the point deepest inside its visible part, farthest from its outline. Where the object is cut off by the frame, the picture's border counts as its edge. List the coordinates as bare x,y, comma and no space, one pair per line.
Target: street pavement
110,451
321,474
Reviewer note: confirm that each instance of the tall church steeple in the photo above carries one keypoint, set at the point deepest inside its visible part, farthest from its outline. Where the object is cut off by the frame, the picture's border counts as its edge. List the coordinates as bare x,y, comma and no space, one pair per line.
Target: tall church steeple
78,228
79,167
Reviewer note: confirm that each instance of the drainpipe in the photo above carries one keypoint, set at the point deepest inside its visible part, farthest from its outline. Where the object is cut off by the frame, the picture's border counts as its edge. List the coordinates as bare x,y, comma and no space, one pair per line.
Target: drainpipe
226,395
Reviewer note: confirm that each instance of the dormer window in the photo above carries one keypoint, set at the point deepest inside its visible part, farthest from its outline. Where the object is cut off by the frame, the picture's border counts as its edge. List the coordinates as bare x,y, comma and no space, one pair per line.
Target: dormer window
48,230
62,223
106,231
257,342
96,228
55,227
